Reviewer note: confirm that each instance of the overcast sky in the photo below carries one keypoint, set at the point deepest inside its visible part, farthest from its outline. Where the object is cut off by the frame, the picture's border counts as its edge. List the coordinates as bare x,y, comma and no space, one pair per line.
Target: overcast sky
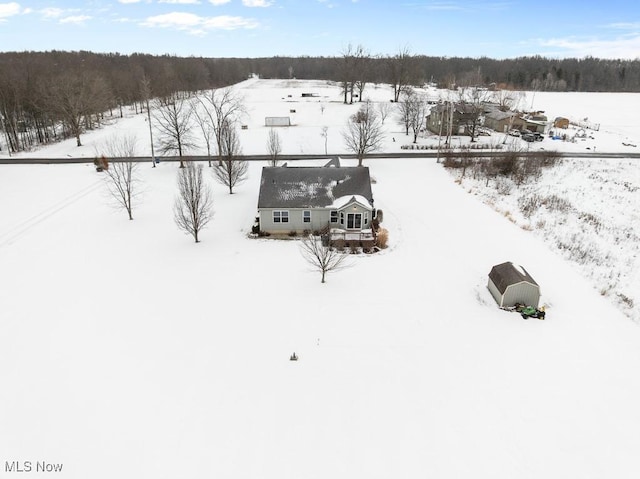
256,28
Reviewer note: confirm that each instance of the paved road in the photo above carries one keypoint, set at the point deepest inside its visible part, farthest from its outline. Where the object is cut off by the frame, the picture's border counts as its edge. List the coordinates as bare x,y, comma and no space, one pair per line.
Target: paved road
405,154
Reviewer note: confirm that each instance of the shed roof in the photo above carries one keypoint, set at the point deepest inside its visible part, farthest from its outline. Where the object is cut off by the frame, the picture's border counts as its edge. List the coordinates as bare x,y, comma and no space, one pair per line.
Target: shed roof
312,187
507,274
461,108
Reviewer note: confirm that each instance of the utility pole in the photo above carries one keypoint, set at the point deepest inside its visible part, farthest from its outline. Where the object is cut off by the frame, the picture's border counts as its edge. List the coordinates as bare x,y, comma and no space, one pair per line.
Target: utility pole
146,91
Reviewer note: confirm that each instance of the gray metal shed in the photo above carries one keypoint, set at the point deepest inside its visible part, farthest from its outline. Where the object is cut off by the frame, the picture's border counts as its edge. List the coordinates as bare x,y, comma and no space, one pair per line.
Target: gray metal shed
510,284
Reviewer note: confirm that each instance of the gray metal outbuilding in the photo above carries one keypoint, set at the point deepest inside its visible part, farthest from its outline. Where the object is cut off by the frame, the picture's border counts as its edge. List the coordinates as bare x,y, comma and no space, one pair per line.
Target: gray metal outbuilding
510,284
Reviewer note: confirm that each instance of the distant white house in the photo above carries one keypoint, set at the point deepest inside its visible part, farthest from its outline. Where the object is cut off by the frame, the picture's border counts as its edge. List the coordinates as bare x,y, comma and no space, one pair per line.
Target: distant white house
510,284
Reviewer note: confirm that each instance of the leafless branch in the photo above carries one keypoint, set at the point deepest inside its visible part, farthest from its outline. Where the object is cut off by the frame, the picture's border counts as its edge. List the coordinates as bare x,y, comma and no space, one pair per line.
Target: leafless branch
322,257
192,209
121,178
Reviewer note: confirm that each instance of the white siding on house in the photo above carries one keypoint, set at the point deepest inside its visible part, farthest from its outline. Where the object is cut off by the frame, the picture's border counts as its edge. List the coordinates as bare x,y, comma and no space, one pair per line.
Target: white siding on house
319,219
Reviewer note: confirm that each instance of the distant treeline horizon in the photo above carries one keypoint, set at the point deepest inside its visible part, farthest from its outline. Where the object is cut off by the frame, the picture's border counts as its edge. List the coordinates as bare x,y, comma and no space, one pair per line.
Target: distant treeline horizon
39,91
589,74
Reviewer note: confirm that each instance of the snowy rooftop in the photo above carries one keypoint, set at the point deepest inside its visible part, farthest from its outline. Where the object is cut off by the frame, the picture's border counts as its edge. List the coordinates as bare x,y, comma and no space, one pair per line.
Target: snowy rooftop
343,200
309,187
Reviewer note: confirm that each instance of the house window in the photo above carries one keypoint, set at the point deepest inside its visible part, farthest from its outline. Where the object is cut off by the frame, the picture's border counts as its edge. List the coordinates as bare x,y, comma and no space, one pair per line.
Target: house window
280,216
354,221
334,216
306,216
366,218
342,217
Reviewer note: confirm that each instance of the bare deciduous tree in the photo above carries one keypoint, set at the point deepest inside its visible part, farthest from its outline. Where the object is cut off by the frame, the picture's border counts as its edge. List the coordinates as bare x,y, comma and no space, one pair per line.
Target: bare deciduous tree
274,147
507,99
354,70
383,110
363,71
401,71
173,117
322,256
364,133
145,90
74,99
231,171
324,133
473,99
204,122
404,109
413,112
224,107
121,177
347,72
192,209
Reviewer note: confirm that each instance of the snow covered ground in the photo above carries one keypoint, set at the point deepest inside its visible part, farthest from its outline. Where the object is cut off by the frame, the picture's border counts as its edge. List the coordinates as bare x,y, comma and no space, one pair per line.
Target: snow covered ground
130,351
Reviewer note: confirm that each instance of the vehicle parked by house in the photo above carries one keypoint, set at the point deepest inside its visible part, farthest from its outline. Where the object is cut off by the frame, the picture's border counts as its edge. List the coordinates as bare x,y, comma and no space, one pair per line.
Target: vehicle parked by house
529,137
514,132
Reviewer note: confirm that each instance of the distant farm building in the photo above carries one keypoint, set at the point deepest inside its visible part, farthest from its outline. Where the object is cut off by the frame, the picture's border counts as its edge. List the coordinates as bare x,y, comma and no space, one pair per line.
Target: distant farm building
510,284
561,122
277,121
502,121
453,117
536,122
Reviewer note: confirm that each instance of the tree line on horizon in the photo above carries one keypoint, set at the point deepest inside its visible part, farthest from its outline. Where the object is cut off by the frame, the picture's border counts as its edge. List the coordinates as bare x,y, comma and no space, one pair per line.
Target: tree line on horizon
48,96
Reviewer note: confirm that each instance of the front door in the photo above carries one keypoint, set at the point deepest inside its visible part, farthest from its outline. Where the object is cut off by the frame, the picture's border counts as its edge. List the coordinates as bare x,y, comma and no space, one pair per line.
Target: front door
354,221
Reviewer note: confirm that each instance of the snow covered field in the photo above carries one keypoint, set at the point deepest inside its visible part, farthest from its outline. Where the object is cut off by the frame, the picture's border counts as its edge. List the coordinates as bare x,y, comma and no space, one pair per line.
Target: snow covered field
130,351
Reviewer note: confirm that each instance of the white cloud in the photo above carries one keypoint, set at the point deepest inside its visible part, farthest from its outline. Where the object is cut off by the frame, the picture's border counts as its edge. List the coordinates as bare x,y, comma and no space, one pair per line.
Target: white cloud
627,47
52,12
257,3
444,6
129,1
179,20
197,25
76,19
218,2
8,10
624,26
181,2
226,22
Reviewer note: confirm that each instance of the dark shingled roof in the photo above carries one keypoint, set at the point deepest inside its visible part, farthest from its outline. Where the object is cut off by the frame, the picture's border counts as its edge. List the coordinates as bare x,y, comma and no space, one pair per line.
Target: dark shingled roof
506,274
309,187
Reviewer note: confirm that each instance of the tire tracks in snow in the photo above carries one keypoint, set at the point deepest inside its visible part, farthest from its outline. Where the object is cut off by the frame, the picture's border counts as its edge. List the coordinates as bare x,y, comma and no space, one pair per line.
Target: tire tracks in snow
14,232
